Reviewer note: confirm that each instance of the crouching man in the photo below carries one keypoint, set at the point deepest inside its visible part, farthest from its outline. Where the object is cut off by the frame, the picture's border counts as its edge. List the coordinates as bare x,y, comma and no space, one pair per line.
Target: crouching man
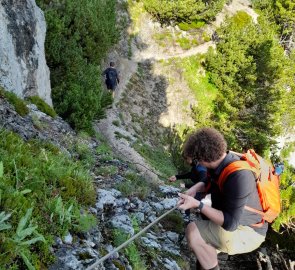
227,226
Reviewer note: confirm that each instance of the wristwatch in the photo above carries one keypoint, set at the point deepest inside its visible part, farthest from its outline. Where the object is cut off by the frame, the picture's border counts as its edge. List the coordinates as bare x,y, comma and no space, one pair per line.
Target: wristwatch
200,207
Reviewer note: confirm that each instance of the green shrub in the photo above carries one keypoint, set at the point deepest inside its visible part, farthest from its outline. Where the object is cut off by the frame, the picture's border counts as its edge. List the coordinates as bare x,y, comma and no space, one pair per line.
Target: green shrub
116,123
42,106
19,105
78,36
248,69
206,37
179,11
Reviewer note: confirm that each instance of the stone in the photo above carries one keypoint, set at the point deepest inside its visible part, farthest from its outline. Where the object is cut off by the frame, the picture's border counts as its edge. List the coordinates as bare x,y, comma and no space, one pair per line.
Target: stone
23,68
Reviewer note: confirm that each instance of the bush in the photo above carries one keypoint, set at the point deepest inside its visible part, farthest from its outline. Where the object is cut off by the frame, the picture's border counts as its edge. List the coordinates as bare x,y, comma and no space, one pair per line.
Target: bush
79,35
248,69
178,11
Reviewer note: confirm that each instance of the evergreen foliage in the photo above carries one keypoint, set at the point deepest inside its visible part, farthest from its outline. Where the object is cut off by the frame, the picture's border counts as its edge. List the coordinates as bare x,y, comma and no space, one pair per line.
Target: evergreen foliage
78,36
286,219
282,13
166,11
248,70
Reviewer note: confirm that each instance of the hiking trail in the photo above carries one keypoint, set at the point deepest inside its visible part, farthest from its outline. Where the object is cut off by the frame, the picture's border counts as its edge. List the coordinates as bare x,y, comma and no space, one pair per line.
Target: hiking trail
133,61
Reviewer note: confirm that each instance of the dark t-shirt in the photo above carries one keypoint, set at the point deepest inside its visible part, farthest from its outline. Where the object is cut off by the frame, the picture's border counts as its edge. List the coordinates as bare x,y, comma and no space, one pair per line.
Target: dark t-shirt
239,189
111,77
197,174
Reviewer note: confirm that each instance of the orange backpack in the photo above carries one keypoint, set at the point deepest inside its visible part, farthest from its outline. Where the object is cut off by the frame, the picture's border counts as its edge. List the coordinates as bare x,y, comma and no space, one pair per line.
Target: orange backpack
267,182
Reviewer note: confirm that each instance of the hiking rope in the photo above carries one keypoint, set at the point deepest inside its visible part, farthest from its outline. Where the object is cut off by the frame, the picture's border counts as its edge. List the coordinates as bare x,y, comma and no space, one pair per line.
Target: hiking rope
101,260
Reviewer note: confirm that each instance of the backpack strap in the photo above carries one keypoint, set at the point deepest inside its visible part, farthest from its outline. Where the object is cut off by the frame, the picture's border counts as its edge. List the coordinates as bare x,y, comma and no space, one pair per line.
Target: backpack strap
233,167
237,166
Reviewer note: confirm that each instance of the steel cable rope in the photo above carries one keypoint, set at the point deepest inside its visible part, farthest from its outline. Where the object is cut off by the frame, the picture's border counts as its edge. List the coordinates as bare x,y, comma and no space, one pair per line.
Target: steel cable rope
101,260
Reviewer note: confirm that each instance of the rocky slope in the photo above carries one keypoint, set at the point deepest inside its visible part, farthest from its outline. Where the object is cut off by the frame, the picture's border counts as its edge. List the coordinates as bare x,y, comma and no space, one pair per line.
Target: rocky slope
120,212
126,201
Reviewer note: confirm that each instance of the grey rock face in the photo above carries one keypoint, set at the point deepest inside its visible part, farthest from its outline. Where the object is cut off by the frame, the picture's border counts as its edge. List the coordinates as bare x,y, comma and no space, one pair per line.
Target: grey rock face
23,68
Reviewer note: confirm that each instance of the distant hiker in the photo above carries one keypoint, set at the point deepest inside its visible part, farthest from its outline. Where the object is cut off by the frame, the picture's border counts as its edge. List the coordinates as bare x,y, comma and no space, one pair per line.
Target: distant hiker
230,227
198,174
112,78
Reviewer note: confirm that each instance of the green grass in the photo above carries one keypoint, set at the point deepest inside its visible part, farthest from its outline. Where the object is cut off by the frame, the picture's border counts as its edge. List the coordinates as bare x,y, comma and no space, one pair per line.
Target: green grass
157,157
119,135
106,170
189,26
42,106
134,185
184,43
19,104
85,154
131,251
37,176
164,38
173,222
116,123
198,82
136,10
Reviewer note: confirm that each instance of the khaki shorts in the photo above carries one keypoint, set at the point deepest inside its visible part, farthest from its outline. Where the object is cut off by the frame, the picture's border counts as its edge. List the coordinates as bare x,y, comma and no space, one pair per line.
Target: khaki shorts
244,239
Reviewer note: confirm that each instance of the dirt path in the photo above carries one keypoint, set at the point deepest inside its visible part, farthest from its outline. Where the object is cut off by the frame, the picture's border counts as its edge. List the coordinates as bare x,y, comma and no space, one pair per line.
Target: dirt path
149,50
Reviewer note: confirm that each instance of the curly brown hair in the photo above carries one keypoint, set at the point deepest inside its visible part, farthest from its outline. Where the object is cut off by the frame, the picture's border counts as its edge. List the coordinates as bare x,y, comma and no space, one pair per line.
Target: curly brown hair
206,144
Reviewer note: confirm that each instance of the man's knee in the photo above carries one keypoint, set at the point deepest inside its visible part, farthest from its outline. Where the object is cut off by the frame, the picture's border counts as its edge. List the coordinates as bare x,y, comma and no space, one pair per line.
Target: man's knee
192,234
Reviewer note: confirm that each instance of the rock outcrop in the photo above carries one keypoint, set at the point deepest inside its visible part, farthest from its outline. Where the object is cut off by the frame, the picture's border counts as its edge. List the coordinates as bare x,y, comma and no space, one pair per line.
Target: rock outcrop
23,68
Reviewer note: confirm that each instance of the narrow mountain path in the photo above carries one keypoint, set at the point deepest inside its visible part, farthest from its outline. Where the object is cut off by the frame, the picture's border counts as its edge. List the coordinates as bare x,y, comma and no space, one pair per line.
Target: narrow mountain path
145,48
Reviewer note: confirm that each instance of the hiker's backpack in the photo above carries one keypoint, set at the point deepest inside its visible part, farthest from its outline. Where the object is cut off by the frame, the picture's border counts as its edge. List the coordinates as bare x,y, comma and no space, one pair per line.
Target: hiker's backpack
266,179
111,75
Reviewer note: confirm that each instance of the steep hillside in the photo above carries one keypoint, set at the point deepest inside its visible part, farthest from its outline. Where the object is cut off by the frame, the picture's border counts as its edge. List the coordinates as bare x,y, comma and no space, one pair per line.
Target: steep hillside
118,203
154,100
68,198
124,203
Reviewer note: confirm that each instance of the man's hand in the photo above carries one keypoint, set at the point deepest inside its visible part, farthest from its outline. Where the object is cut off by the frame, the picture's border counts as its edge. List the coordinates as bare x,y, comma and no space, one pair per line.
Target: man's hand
187,202
192,191
198,187
172,178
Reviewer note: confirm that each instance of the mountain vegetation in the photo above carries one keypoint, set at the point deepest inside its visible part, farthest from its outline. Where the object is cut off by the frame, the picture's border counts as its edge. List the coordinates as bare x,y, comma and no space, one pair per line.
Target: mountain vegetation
245,88
78,36
179,11
248,88
42,194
